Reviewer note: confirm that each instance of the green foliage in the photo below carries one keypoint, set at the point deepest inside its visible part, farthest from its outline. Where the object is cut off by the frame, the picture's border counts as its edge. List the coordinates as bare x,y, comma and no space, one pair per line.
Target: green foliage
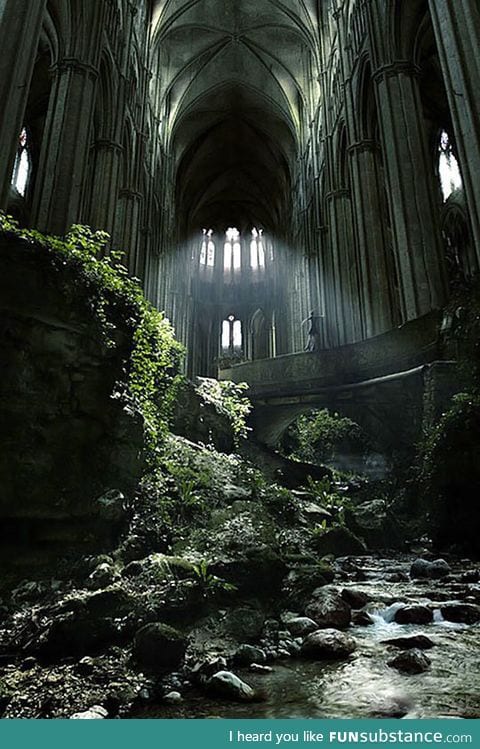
325,495
118,304
228,399
317,436
461,329
210,583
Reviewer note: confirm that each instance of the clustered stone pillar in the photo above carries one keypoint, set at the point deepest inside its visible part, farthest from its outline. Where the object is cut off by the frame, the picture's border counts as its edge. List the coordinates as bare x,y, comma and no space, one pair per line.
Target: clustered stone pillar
65,154
341,284
457,30
413,198
20,26
105,186
374,268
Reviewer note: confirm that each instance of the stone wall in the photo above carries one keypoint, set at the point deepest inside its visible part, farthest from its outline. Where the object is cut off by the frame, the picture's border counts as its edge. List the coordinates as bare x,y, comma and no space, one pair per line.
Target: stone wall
65,441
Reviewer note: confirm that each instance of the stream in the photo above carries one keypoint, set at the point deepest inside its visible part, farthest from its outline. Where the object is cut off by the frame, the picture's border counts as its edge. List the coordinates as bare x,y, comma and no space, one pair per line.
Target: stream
364,686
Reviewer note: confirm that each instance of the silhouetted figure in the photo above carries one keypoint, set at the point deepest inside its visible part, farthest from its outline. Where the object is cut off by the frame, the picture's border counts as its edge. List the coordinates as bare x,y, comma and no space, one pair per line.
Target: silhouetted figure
313,343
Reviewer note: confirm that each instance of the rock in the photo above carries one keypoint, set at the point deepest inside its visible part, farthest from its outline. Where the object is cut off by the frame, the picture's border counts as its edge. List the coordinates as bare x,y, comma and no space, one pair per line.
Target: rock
112,602
85,666
373,522
157,646
74,633
301,626
362,619
339,541
420,642
247,654
328,609
203,670
410,662
356,599
173,698
28,664
415,614
226,684
464,613
327,644
423,568
258,668
111,507
133,569
95,712
299,584
244,623
102,576
254,570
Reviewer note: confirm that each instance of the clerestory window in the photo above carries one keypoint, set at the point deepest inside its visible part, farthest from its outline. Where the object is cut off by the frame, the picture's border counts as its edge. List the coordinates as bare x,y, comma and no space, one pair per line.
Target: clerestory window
232,338
232,251
23,164
448,167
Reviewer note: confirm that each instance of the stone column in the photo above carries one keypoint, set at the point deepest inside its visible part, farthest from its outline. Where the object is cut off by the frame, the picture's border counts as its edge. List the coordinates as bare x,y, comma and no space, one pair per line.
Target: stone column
457,30
412,193
105,185
341,286
127,226
372,247
20,27
63,164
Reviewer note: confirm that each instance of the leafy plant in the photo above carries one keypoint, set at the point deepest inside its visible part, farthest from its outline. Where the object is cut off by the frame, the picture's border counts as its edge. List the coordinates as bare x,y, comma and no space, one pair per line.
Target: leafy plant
228,399
119,306
209,582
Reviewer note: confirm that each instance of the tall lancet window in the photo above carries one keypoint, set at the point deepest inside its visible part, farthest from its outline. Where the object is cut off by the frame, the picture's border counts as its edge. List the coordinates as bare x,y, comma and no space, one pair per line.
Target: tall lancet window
23,164
232,338
448,168
232,251
207,250
257,250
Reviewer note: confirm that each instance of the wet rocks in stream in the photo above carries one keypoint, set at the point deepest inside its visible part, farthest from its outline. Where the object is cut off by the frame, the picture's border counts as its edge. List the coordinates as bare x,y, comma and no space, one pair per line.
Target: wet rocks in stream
410,662
328,644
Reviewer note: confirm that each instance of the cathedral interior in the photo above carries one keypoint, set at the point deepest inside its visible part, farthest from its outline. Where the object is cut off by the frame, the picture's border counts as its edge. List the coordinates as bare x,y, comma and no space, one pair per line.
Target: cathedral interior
296,186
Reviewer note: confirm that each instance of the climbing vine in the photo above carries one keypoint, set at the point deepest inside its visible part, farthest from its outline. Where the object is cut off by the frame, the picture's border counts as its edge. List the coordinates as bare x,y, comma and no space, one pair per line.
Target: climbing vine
117,302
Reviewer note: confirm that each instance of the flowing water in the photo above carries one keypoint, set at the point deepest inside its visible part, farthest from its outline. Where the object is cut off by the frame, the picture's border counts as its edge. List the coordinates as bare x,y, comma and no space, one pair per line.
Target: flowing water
364,686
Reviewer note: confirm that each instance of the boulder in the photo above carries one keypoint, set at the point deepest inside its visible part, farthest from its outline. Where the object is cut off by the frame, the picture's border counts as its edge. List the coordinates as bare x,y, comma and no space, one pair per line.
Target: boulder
96,712
202,671
301,626
362,619
420,642
247,654
328,609
410,662
302,580
424,568
338,541
462,613
75,633
327,644
226,684
102,576
157,646
356,599
415,614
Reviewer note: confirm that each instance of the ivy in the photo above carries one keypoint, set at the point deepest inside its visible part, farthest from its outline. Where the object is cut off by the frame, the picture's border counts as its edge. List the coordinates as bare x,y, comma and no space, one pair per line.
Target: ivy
228,399
118,304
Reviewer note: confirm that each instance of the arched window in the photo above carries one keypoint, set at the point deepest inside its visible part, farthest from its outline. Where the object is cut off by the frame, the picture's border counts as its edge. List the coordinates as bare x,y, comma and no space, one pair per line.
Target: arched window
448,168
23,164
232,251
257,251
232,338
207,250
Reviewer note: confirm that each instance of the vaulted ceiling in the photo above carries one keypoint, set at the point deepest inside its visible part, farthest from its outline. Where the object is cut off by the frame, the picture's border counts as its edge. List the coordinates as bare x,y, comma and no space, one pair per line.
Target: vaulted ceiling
233,76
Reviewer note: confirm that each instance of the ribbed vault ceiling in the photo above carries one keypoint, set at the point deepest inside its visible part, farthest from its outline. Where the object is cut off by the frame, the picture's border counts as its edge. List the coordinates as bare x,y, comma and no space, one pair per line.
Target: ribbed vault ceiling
232,77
